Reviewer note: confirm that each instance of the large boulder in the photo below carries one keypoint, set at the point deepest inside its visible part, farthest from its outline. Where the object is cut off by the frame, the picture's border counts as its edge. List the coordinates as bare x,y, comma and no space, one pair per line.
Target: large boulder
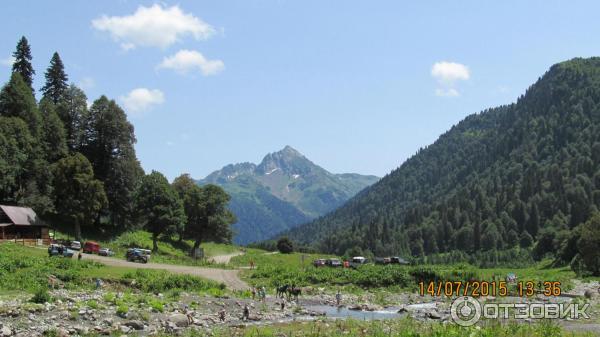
6,331
135,325
179,320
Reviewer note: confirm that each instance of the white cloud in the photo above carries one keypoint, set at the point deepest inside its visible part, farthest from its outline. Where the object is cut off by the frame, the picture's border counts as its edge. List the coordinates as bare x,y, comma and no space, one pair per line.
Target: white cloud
154,26
185,61
7,61
86,83
142,99
447,74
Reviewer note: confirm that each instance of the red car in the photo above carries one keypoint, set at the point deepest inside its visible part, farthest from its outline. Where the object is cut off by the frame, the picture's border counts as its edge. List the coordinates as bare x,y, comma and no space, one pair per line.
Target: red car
91,247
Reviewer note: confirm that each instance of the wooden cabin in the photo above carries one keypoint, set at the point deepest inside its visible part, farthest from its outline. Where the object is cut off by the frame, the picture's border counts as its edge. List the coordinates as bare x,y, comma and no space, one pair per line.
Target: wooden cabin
22,225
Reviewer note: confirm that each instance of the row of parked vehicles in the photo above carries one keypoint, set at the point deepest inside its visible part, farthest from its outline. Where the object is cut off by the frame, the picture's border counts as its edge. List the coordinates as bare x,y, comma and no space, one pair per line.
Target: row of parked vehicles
67,248
358,261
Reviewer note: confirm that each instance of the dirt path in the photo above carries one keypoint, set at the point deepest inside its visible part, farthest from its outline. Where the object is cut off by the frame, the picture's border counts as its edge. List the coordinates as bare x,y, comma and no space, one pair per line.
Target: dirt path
229,277
225,258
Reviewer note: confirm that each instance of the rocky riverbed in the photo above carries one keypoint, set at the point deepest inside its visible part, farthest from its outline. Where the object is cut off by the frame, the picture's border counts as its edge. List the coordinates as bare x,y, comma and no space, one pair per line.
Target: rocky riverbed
103,312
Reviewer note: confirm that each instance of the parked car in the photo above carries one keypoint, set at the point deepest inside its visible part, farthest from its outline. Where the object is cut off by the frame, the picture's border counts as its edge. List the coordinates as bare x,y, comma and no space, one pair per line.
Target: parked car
358,261
399,260
105,252
55,249
91,247
68,252
333,262
60,250
319,262
138,255
383,260
75,245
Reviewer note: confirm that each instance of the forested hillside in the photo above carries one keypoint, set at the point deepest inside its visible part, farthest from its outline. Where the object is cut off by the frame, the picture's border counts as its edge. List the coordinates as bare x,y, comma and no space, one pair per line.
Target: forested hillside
522,175
76,165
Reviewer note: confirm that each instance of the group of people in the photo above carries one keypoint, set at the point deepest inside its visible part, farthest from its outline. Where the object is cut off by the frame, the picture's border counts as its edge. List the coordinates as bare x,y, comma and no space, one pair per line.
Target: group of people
261,292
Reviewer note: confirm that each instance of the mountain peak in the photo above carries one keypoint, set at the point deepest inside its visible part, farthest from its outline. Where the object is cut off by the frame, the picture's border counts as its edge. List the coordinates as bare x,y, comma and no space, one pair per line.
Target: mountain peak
288,160
290,150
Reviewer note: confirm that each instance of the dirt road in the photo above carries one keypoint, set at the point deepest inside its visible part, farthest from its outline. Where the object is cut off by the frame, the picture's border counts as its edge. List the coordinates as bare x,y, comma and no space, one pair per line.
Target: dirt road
229,277
224,258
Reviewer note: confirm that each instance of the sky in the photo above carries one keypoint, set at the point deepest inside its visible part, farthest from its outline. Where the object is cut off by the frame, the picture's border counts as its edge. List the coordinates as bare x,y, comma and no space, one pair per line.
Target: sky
356,86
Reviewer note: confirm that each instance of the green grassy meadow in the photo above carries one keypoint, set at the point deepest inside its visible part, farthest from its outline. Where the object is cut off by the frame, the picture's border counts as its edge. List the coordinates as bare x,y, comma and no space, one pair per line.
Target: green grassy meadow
28,269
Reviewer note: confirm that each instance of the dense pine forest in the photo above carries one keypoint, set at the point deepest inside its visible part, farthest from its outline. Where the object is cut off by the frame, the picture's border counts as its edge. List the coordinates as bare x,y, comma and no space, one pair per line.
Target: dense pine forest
76,165
512,183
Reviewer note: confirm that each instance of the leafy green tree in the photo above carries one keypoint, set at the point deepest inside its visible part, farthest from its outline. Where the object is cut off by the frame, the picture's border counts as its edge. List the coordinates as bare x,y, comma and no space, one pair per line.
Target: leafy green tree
193,202
285,245
588,244
158,206
22,64
78,196
206,208
16,100
56,80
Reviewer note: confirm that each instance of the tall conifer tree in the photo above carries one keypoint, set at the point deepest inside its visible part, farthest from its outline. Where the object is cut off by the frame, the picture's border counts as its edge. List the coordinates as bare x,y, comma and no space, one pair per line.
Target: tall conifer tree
56,79
22,64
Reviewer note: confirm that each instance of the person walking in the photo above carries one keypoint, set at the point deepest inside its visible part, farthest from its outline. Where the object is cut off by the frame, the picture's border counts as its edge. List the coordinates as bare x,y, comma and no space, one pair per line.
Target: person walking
246,313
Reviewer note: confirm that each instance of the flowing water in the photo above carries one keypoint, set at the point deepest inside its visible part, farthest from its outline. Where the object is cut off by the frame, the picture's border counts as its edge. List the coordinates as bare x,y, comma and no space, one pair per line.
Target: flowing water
386,313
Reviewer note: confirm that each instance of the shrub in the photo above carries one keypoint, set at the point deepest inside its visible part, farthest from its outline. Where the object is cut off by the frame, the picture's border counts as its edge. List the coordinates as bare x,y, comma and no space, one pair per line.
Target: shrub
92,304
110,297
285,245
156,305
122,310
41,296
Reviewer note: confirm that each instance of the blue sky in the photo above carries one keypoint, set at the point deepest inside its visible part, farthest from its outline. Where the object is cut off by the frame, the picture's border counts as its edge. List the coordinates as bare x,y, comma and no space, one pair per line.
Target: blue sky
357,86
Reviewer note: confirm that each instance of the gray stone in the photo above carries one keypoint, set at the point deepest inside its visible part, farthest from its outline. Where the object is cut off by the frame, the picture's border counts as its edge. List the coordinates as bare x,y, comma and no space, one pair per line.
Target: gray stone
179,320
434,315
6,331
136,325
402,310
589,294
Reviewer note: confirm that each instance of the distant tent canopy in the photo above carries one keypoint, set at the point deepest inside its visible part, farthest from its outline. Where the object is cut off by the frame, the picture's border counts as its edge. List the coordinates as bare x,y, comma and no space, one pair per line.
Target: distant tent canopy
22,225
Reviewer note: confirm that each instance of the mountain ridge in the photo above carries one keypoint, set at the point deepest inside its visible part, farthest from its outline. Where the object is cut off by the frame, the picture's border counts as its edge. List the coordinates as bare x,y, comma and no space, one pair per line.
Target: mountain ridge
284,190
523,174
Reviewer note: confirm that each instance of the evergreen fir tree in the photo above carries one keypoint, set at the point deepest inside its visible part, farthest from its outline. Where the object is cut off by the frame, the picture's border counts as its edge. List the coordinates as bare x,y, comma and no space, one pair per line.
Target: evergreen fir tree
22,64
56,79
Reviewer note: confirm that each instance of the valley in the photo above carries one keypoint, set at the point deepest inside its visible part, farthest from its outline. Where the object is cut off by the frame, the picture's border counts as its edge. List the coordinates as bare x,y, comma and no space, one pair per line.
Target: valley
285,190
465,138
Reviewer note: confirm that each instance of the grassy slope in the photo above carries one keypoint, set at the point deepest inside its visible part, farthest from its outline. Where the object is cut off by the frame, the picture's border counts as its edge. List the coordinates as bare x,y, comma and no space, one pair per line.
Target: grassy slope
169,250
276,269
28,268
